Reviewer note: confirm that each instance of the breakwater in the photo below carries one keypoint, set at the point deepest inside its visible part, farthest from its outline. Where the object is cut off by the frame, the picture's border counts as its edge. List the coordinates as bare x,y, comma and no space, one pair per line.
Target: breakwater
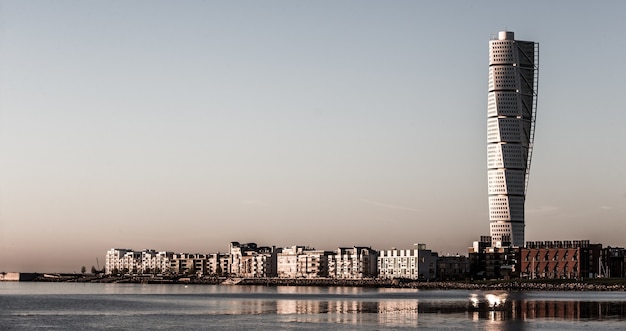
601,284
512,285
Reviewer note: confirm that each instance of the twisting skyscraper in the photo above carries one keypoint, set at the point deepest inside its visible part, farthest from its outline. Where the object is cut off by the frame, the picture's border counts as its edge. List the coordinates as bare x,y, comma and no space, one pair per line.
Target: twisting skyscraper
511,110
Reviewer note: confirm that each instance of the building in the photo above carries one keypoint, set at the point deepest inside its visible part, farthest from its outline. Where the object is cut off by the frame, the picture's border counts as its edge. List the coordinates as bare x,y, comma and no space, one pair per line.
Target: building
287,261
190,264
302,262
18,276
251,261
489,262
353,263
236,251
614,262
258,263
418,263
313,264
452,267
122,260
511,110
560,259
217,264
155,262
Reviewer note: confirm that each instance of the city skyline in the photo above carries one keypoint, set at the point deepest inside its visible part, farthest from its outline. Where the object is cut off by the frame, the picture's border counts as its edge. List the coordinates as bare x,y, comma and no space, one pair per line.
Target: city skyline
184,126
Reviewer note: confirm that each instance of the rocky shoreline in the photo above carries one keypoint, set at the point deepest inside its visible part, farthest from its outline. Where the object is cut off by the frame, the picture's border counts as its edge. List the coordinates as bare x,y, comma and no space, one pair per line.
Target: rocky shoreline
447,285
504,285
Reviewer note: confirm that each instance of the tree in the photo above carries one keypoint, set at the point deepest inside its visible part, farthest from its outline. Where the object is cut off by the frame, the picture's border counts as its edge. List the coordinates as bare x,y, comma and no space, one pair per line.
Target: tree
83,270
94,270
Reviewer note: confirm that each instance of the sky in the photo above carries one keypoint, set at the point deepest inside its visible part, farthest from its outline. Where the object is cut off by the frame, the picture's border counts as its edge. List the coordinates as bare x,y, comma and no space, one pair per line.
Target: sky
185,125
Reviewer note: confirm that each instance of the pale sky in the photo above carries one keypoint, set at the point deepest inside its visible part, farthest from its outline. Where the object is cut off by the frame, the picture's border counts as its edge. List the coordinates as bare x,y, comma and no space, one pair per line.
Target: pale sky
184,125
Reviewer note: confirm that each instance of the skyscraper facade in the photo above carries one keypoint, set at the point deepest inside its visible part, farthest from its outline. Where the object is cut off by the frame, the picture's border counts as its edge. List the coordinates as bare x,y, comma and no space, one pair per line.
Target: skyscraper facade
511,111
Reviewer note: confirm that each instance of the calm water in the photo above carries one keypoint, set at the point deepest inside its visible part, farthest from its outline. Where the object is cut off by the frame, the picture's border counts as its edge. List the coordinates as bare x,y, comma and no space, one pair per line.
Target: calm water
78,306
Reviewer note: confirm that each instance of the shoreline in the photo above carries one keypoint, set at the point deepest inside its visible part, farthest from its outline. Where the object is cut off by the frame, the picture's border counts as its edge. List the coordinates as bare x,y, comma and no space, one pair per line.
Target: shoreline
596,284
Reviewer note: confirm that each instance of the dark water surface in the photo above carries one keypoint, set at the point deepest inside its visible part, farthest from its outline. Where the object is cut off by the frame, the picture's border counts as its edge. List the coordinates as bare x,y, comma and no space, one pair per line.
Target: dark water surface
84,306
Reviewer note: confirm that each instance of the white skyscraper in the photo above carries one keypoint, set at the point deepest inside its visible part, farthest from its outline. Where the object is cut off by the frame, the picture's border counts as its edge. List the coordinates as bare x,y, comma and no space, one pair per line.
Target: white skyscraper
511,110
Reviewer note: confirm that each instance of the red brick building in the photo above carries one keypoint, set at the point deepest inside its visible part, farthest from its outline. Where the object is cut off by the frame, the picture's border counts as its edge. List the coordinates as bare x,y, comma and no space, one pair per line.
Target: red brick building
559,259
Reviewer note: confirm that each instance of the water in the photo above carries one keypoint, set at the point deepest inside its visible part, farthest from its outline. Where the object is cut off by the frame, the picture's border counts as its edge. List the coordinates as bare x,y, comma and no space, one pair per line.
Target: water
84,306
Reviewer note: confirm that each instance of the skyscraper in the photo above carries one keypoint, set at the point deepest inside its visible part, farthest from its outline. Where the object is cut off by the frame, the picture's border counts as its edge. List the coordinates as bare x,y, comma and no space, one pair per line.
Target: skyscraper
511,110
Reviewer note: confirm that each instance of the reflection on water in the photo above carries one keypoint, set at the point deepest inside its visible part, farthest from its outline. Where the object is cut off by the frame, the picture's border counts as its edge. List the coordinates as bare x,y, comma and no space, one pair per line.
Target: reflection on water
497,310
488,301
310,308
496,306
403,312
489,306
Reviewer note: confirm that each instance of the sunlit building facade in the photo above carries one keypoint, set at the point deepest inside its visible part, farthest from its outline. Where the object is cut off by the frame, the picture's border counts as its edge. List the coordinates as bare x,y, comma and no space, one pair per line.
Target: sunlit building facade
418,263
353,263
511,111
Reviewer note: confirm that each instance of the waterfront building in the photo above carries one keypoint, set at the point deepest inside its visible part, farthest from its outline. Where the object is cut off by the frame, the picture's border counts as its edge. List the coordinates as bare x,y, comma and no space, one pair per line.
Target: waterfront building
189,264
236,252
313,264
217,264
302,262
353,263
490,262
287,261
250,260
18,276
560,259
511,113
452,267
258,263
538,259
613,262
155,262
119,260
418,263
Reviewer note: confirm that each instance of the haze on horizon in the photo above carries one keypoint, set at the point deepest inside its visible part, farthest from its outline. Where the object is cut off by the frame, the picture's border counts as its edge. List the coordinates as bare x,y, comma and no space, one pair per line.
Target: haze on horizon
182,126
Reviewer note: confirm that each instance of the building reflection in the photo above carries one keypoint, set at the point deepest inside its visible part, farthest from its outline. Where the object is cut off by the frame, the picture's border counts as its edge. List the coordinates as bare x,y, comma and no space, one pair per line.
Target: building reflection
503,311
501,307
398,313
390,312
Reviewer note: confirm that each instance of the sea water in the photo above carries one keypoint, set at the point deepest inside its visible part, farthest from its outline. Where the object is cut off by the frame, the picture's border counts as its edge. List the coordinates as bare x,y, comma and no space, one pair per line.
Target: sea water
86,306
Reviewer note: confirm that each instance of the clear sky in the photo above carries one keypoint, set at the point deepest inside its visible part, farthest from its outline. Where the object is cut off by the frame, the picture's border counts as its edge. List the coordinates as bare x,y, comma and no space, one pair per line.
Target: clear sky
184,125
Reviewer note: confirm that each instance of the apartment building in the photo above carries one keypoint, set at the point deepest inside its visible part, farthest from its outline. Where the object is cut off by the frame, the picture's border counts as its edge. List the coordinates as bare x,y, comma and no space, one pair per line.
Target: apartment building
302,262
418,263
353,263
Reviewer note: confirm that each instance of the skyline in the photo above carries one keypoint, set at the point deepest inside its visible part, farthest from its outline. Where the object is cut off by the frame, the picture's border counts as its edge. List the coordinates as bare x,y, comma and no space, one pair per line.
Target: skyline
183,127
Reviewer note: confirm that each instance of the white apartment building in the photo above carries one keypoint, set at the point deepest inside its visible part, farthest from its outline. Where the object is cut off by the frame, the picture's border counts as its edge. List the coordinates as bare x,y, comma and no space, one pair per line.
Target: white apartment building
236,251
217,264
148,261
353,263
121,260
313,264
418,263
258,265
155,262
287,261
302,262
